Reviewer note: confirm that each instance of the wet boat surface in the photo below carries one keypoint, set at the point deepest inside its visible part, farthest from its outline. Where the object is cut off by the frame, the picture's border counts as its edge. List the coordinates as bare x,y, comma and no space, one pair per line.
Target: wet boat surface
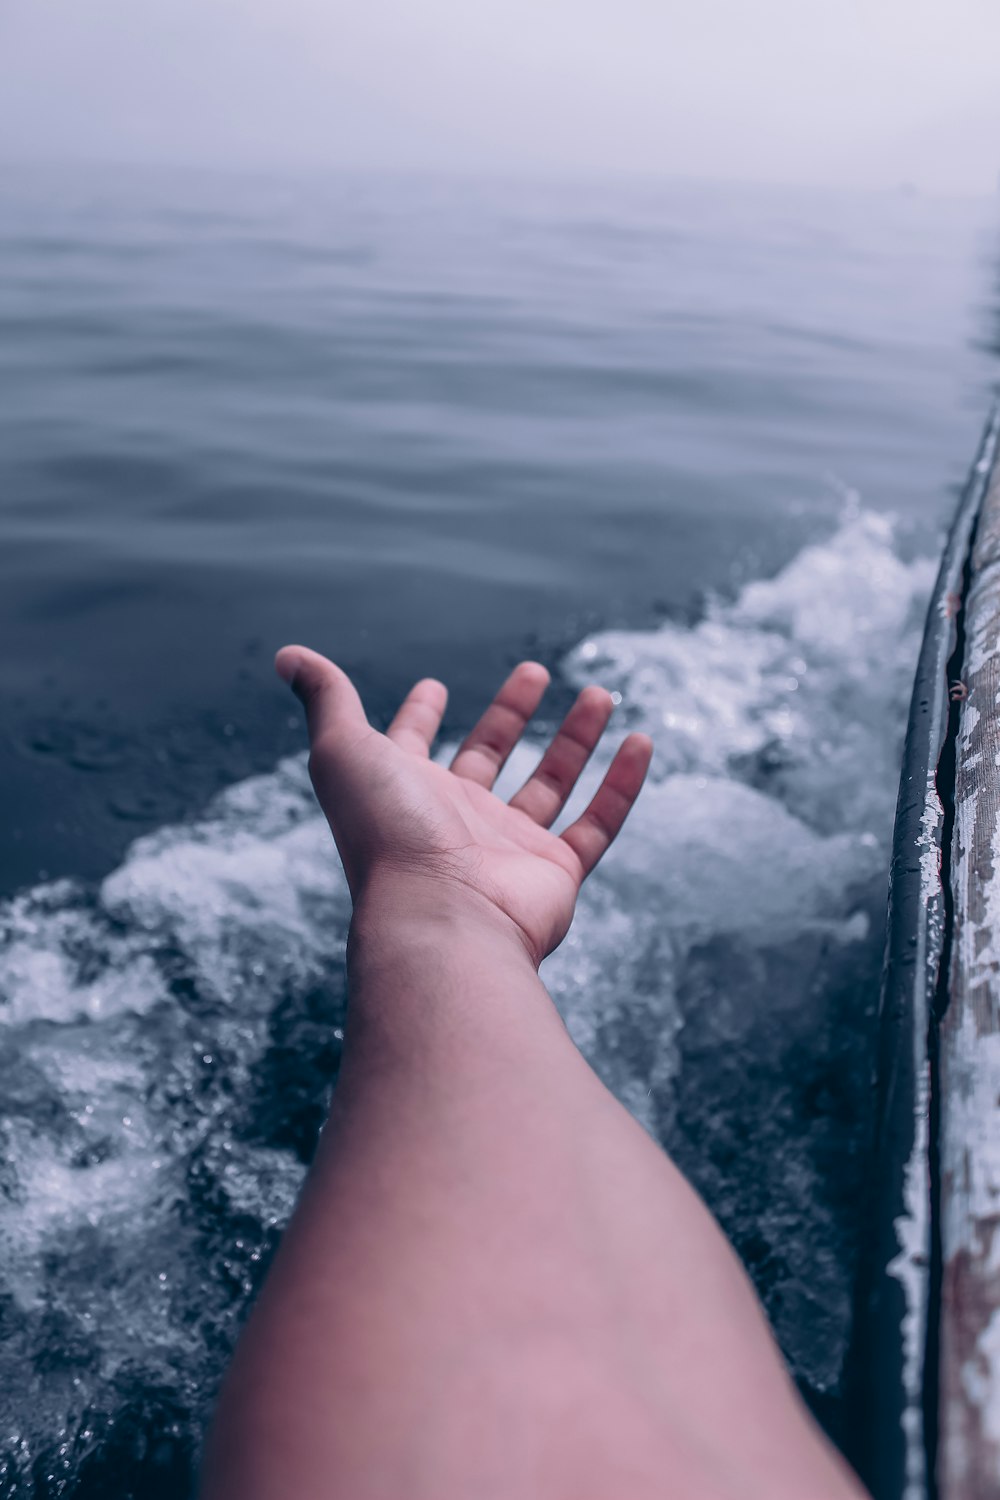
927,1357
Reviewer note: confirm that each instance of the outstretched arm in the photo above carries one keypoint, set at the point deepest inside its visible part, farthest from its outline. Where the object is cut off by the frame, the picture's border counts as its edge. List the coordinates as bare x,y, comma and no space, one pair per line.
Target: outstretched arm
494,1284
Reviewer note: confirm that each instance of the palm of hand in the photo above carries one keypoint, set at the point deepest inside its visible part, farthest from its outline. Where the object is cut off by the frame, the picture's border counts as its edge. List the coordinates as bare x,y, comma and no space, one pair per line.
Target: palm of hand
448,827
391,807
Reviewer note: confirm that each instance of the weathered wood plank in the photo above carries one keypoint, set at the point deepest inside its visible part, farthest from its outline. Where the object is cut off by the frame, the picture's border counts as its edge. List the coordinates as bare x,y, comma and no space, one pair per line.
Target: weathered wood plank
968,1465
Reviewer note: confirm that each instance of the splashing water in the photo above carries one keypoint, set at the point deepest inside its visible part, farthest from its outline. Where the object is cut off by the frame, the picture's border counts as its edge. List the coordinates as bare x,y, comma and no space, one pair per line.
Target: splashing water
170,1038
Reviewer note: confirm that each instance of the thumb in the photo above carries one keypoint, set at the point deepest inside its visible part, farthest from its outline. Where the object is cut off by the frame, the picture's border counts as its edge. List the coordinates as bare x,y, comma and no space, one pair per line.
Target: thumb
328,695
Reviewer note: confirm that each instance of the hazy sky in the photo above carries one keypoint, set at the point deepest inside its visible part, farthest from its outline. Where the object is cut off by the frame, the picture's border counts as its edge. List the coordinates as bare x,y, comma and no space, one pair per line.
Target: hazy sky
860,92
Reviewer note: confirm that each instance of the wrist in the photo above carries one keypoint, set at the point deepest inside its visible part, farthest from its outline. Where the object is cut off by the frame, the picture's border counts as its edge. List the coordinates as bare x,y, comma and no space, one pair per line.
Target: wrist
434,968
397,909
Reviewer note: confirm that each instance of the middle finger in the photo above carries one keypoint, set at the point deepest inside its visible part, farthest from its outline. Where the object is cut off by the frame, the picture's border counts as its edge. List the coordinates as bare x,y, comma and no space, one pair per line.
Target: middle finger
487,746
544,794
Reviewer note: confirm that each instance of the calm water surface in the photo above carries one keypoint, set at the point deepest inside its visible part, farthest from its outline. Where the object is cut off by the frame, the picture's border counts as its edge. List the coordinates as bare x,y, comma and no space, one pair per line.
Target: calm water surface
697,443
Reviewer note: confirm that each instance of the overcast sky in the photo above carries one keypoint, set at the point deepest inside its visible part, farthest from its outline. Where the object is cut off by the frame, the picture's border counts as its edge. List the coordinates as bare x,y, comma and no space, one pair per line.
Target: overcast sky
853,92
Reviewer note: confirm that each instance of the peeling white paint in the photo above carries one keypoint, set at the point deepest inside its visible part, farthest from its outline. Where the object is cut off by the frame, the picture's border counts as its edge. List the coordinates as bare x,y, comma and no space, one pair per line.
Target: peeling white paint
981,643
972,1142
971,1210
928,843
970,718
988,932
965,829
970,1057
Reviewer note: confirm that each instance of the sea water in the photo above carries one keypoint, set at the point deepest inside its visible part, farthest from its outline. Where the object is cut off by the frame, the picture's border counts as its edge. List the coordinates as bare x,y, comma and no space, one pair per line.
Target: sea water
695,444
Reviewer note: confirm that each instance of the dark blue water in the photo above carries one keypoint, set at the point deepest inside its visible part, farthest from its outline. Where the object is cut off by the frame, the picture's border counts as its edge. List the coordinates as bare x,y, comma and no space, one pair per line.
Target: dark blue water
425,426
697,443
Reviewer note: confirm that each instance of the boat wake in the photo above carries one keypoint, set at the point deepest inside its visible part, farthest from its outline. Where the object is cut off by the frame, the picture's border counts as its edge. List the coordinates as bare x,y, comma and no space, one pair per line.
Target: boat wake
169,1037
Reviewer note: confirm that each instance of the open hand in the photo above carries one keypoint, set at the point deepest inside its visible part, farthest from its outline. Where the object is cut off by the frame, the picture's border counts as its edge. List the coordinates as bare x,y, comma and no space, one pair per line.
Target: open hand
395,814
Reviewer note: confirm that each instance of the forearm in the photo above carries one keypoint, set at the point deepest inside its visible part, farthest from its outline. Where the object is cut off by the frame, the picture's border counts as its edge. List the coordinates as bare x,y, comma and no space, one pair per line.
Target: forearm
369,1311
487,1243
436,975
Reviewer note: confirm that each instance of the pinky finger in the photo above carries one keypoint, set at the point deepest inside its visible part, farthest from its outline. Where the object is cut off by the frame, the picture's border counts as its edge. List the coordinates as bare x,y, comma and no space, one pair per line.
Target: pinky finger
595,830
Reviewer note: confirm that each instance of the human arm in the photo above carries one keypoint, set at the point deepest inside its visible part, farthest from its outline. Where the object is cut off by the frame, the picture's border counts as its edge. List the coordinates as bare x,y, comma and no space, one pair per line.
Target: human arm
495,1284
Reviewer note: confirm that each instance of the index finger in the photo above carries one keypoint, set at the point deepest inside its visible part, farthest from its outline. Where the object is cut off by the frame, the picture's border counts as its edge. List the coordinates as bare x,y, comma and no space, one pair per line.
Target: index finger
419,717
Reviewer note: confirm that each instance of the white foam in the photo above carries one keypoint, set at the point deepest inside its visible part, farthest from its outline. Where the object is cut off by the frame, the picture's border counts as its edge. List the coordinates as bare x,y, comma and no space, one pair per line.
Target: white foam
811,668
777,721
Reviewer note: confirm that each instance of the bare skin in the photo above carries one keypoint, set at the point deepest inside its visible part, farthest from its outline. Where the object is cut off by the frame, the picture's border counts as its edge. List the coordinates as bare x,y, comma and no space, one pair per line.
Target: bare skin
495,1286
